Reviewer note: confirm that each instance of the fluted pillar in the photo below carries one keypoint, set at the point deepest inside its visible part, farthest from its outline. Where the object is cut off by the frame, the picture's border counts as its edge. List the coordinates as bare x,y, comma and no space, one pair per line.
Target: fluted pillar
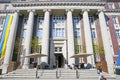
10,42
45,38
70,37
88,39
106,42
27,45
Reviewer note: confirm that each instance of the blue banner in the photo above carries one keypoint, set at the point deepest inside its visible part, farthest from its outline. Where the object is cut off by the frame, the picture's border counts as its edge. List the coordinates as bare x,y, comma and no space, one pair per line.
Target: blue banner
118,61
3,34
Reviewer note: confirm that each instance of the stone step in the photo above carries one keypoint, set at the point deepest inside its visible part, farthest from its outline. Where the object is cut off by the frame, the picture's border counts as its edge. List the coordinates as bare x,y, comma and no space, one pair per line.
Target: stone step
51,74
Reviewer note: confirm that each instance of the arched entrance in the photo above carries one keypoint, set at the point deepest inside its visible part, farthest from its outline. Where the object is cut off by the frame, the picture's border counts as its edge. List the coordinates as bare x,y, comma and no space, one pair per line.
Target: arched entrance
59,60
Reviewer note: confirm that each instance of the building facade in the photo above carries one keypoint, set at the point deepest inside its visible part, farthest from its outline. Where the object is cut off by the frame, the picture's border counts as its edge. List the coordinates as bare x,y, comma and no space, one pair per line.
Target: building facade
59,29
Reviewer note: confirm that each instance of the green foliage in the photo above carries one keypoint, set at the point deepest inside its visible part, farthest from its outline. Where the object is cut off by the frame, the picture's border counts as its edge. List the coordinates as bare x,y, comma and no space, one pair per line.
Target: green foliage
76,49
98,49
101,49
95,48
35,47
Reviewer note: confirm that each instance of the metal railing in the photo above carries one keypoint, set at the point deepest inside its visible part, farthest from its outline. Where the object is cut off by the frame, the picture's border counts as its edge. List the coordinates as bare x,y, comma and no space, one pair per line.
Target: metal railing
59,0
57,76
77,74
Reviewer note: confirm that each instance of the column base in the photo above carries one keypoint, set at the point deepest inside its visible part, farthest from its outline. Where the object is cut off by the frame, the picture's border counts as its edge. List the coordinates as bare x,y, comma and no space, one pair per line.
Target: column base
25,66
71,62
44,59
91,60
4,68
110,69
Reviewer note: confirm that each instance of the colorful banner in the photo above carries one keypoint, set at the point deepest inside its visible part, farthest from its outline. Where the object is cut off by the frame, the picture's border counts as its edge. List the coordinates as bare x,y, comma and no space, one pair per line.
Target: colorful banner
5,35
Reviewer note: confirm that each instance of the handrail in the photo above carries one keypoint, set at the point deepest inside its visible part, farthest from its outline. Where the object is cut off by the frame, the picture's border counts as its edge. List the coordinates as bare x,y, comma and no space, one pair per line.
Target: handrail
37,71
77,74
57,74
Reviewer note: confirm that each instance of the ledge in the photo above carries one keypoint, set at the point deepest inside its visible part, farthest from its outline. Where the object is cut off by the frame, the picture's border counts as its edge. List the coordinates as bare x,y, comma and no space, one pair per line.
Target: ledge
112,10
21,4
6,11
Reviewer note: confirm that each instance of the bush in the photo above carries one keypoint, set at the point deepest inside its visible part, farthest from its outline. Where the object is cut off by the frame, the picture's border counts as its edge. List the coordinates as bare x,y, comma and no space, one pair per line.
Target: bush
118,71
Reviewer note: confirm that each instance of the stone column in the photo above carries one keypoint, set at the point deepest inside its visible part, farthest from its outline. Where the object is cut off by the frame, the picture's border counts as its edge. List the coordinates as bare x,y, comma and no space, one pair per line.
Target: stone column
106,42
88,39
10,42
70,37
45,38
27,45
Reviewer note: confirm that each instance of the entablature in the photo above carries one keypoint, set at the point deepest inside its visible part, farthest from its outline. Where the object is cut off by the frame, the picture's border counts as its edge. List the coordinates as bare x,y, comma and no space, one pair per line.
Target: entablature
58,4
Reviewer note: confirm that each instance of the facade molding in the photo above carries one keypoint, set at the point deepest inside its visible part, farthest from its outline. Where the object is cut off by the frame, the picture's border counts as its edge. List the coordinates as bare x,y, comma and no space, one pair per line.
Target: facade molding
113,10
59,4
44,10
6,11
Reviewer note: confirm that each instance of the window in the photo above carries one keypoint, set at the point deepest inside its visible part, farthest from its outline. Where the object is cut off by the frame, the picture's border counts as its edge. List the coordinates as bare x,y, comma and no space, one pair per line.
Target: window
58,32
91,20
118,34
114,19
107,23
40,19
76,26
77,32
6,7
111,6
58,49
63,32
24,33
2,20
93,33
58,26
39,33
25,20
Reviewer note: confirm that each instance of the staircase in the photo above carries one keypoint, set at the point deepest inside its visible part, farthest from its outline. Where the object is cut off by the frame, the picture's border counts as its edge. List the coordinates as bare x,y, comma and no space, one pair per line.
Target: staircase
62,74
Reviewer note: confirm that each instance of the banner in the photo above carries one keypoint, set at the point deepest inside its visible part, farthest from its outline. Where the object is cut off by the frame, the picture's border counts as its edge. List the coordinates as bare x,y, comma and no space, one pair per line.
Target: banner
5,35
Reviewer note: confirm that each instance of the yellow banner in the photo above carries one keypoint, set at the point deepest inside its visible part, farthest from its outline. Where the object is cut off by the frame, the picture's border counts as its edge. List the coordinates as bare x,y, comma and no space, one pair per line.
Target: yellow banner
6,37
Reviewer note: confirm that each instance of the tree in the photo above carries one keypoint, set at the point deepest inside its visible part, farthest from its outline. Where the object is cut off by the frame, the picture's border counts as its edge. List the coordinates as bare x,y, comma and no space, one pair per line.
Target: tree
76,49
35,47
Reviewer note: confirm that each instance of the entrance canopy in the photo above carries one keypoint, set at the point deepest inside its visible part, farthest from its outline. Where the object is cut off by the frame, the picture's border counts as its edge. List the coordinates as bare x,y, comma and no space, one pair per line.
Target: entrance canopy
81,55
36,55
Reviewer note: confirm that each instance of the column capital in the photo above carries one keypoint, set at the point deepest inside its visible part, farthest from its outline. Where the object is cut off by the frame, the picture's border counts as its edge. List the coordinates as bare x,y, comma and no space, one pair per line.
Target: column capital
69,10
44,10
31,10
83,10
100,10
16,11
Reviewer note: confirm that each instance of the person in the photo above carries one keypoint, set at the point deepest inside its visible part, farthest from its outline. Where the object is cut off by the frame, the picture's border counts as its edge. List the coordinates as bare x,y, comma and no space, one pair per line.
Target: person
101,77
114,67
99,70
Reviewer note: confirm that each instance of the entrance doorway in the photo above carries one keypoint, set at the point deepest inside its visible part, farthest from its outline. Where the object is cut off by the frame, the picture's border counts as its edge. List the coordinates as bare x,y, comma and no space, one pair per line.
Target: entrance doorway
59,59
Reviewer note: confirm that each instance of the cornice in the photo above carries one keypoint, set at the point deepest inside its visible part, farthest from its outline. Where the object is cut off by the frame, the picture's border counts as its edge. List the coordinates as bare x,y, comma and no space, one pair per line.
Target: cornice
7,11
58,4
112,10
